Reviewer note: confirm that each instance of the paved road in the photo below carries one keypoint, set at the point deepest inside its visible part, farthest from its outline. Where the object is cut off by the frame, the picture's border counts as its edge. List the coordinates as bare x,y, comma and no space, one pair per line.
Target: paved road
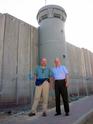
77,110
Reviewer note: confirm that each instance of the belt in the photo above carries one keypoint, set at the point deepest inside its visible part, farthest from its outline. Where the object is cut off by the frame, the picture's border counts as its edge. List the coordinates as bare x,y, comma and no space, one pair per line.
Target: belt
59,79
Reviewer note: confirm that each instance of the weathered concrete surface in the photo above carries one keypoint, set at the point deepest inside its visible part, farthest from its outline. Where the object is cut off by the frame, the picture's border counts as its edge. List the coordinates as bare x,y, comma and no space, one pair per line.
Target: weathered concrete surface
2,26
9,59
18,57
23,89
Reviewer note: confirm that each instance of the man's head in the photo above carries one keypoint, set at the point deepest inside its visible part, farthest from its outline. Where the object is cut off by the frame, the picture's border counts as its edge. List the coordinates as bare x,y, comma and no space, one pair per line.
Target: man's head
43,62
57,62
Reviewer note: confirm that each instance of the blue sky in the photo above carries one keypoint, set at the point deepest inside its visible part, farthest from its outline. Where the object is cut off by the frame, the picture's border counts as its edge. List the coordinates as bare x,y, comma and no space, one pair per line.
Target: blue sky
79,23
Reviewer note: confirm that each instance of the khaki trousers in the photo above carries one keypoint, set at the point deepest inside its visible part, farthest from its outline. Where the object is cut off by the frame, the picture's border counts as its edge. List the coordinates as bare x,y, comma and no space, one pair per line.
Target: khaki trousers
44,89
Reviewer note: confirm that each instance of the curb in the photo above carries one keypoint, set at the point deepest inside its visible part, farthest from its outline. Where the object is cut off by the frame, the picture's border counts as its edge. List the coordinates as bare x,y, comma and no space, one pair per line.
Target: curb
84,118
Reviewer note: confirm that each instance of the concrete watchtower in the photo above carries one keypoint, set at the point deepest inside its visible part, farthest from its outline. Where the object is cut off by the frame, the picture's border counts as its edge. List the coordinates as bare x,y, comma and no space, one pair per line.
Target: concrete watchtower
51,32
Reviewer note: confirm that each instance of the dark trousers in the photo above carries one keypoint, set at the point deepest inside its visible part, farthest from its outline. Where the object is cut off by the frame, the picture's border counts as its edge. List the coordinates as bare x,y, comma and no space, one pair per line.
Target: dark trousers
61,89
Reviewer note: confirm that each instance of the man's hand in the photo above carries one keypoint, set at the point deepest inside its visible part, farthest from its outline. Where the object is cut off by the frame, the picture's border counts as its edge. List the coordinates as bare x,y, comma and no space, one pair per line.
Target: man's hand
67,84
67,80
51,83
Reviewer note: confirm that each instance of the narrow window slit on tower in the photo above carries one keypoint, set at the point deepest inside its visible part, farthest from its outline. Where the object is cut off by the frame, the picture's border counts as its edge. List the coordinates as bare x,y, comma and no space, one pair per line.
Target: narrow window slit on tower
56,15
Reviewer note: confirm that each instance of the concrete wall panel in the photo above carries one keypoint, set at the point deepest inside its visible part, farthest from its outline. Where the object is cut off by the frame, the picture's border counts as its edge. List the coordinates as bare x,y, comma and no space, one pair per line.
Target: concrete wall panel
23,63
34,47
87,63
34,57
91,57
2,26
10,58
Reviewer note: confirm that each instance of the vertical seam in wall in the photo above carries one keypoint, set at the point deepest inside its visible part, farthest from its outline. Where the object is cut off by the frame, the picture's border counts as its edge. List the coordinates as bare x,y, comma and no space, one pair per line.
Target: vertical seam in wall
31,60
38,44
2,67
17,64
30,70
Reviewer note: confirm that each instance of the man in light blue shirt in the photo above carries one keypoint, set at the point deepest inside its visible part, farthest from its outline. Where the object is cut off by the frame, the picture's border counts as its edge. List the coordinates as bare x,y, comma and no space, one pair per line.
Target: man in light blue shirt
60,72
60,75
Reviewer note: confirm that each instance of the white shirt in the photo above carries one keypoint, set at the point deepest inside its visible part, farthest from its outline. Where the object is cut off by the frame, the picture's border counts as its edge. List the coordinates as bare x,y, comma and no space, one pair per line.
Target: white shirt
60,72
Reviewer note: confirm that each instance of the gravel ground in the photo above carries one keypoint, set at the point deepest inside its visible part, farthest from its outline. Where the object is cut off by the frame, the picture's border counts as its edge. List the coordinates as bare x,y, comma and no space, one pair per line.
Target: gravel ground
3,117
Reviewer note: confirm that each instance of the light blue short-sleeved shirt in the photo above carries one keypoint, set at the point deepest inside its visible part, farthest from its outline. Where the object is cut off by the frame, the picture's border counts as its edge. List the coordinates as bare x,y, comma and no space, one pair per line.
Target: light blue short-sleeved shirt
60,72
43,72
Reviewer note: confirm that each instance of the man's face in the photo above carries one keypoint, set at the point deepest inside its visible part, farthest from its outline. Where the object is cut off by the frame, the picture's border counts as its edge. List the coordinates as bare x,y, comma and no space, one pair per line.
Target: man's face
57,62
43,62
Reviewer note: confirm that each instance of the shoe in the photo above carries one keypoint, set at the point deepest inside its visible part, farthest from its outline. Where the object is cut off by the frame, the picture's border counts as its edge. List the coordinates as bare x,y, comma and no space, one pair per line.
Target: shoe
57,114
9,112
44,114
31,114
67,114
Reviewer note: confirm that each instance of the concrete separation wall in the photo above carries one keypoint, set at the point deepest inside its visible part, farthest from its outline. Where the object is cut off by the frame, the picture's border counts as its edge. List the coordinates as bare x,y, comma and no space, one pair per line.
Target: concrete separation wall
18,57
2,26
80,66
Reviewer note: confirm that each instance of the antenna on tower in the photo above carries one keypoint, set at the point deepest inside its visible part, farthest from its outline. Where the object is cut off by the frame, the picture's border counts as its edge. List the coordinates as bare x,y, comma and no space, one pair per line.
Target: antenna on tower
45,2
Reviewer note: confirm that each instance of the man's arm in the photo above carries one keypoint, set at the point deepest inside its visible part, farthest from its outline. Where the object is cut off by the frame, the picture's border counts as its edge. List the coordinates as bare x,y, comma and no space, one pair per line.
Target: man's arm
67,80
51,79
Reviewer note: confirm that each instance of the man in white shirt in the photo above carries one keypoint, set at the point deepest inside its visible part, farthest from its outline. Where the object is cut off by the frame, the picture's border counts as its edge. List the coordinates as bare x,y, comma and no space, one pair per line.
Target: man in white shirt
60,75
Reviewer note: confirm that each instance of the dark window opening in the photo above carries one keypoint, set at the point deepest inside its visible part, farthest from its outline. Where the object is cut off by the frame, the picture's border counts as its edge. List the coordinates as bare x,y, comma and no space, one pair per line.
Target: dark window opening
56,15
44,16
